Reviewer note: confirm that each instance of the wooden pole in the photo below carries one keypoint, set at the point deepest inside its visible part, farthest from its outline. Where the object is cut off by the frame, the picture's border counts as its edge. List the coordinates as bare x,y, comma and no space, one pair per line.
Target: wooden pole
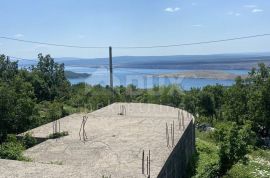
111,69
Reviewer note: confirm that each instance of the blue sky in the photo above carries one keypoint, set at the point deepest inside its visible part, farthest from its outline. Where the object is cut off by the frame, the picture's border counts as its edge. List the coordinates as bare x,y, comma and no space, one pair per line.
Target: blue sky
132,23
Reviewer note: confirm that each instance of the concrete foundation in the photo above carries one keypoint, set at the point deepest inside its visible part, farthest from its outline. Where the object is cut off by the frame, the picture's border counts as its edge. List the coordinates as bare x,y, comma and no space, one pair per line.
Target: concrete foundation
116,137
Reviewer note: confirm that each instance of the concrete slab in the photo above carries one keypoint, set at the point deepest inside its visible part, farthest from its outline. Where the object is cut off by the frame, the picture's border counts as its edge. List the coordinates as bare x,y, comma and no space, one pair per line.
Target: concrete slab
114,146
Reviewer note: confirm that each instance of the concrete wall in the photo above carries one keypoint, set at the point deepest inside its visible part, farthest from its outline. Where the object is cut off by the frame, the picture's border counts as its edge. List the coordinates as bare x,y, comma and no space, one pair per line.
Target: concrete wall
177,163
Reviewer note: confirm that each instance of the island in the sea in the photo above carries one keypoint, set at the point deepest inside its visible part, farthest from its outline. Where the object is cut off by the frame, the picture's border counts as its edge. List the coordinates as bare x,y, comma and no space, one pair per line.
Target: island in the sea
74,75
200,74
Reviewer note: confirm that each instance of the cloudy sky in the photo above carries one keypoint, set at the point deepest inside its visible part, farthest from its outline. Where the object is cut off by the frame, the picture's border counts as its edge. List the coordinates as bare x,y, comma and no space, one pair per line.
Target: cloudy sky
132,23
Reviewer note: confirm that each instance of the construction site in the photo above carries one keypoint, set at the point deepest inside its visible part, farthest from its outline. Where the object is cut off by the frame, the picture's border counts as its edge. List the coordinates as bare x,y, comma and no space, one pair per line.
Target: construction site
122,140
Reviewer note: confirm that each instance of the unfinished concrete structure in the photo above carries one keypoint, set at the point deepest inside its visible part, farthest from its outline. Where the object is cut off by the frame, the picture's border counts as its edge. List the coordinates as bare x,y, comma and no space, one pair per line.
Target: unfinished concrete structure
123,140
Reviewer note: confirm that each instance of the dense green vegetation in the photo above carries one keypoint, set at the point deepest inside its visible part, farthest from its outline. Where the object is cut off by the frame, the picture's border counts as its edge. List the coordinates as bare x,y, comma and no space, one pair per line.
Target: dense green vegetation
240,114
13,148
58,135
252,162
25,95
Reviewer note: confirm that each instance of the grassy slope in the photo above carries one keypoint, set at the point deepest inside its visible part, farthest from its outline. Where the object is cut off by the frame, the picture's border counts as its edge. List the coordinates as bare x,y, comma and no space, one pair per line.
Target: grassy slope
258,165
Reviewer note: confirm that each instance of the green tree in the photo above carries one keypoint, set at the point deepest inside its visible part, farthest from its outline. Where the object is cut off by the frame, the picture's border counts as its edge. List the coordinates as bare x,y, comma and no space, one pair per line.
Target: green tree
206,104
49,80
235,102
191,100
235,142
17,100
217,93
259,97
8,69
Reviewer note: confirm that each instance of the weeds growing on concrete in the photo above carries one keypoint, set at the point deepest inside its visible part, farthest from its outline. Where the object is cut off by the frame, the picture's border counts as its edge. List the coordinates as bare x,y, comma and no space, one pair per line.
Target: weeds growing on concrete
58,135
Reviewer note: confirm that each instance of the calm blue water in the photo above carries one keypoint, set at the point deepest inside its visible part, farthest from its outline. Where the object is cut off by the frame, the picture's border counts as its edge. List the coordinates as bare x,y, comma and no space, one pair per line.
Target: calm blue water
137,77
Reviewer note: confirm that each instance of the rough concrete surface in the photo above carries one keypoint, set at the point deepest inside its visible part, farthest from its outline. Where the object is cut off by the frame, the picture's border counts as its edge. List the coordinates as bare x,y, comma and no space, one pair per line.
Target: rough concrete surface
113,147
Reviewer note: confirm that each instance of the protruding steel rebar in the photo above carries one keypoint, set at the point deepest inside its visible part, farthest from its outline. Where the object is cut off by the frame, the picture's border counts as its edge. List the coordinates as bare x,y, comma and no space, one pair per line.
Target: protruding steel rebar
143,162
183,120
149,164
82,128
167,135
123,110
173,135
179,119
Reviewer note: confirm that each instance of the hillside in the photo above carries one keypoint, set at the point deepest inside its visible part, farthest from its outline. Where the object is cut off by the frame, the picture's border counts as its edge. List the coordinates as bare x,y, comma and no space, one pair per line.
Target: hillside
74,75
190,62
200,74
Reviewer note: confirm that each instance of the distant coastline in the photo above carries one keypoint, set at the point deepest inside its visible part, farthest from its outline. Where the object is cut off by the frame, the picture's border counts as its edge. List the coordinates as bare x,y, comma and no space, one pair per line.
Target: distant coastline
245,61
74,75
200,74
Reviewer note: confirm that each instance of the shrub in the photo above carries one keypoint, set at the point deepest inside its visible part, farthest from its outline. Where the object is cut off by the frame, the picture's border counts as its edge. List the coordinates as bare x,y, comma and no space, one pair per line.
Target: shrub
235,143
58,135
12,150
11,138
240,170
28,141
208,160
211,170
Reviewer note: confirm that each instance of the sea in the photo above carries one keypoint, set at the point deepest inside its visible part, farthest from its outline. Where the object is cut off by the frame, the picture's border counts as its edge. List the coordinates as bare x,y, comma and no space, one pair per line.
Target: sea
142,78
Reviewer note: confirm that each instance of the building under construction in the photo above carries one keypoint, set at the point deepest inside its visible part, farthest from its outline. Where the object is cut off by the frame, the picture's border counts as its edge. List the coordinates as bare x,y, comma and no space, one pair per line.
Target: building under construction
122,140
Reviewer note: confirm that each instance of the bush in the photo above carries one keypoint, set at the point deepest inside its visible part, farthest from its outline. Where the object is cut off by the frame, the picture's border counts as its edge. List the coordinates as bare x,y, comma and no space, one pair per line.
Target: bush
208,160
28,141
58,135
235,142
240,170
211,170
11,138
12,150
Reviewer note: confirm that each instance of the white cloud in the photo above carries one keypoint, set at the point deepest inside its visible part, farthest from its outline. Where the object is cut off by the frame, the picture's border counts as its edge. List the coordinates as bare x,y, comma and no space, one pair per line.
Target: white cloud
234,13
170,9
250,6
194,4
19,35
256,10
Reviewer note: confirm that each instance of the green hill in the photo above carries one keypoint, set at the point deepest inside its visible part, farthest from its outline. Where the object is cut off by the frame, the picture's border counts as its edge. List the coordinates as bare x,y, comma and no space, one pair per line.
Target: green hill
73,75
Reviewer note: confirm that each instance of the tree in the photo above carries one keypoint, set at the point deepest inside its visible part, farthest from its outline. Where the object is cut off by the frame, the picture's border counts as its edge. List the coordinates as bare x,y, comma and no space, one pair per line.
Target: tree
8,69
191,101
235,102
217,93
17,100
49,80
206,104
259,97
234,143
17,106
